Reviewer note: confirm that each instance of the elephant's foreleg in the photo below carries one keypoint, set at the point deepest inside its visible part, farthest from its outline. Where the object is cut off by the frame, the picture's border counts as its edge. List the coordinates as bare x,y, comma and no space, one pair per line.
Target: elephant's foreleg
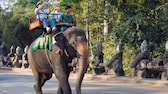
37,89
41,78
45,77
59,91
64,87
37,86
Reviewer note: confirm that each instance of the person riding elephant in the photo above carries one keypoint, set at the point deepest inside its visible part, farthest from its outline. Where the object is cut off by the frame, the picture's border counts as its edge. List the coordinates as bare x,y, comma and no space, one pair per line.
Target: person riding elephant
55,14
42,13
65,46
66,20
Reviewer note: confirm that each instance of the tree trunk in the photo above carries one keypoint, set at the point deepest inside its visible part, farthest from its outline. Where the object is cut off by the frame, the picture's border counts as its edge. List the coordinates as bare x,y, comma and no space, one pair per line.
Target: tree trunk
105,19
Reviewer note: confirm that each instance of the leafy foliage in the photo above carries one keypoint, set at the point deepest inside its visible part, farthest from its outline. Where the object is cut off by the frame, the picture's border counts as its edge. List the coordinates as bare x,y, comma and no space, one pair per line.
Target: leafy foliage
129,20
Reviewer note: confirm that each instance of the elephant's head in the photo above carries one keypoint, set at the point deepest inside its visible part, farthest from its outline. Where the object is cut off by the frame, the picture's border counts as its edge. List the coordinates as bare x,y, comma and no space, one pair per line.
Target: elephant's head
63,46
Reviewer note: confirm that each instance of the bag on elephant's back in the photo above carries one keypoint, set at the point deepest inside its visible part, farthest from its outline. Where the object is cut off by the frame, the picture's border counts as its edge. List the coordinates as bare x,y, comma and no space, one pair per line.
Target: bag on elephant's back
34,23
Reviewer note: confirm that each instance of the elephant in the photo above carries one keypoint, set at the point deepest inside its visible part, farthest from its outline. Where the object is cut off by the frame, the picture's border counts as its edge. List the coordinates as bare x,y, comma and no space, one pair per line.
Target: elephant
67,45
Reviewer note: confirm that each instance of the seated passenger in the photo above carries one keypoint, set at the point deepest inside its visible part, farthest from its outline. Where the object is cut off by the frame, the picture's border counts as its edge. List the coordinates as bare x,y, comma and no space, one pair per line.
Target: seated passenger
56,14
66,20
42,13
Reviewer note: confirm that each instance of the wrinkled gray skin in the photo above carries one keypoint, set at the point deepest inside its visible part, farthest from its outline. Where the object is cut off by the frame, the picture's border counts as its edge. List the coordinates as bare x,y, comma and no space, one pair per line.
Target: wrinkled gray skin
44,62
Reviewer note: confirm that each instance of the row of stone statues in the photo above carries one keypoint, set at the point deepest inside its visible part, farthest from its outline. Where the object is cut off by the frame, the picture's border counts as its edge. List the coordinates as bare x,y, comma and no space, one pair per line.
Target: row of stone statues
114,65
15,57
143,66
146,68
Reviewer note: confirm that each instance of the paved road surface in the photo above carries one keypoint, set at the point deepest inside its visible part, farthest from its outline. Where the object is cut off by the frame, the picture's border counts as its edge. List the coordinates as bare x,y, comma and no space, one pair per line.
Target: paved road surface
19,83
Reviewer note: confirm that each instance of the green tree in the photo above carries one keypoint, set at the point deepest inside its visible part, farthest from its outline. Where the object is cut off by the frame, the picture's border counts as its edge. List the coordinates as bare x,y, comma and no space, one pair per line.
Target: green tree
129,20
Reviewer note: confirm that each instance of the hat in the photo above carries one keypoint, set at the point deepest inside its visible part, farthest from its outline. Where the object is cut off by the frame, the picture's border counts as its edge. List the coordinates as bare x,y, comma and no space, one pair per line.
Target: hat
39,2
67,7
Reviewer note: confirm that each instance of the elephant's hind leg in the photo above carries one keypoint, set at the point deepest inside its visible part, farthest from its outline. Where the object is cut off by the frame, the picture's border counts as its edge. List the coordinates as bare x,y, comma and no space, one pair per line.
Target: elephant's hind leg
37,86
41,78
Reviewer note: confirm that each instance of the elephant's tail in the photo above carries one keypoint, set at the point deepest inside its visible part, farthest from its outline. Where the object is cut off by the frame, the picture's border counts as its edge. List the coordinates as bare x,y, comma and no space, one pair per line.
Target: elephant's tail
83,65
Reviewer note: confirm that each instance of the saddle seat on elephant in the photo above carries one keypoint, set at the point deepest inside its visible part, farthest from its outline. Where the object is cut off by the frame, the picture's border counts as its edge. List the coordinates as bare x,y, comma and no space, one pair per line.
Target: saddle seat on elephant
36,24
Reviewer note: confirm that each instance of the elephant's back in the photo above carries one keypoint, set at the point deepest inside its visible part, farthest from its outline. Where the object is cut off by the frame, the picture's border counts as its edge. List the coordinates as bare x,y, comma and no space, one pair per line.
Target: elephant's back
38,60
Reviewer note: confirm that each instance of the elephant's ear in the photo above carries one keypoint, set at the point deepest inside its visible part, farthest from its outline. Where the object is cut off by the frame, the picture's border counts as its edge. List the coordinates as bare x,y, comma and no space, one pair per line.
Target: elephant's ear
59,40
71,51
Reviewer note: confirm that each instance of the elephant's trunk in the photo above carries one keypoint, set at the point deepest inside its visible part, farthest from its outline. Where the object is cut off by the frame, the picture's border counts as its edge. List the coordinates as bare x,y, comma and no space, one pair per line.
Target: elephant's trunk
83,64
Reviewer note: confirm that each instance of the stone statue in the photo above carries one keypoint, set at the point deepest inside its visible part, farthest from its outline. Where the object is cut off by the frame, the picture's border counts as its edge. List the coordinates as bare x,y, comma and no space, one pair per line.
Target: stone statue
11,52
142,59
160,66
3,47
98,58
16,62
165,56
24,60
115,63
10,56
4,53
